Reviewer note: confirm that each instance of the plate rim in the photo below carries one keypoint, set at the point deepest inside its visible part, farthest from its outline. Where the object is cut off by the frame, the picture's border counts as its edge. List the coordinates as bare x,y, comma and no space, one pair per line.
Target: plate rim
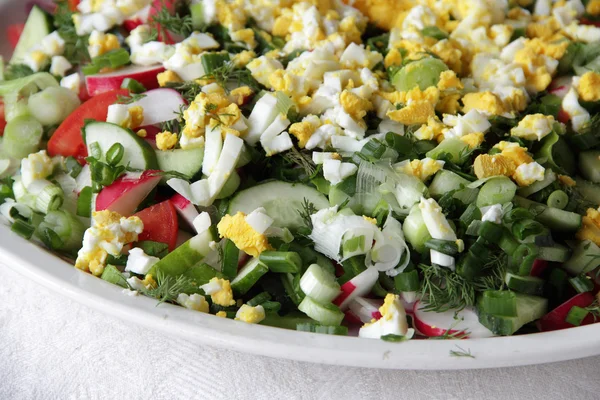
50,271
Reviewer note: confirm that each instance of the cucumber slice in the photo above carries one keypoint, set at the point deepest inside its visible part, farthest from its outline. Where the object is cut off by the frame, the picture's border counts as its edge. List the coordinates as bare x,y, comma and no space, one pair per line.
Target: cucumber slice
281,200
589,165
554,218
113,275
451,147
529,308
326,314
524,284
498,190
415,230
138,153
549,178
423,73
556,253
186,162
248,276
202,273
446,181
37,27
184,257
585,258
588,190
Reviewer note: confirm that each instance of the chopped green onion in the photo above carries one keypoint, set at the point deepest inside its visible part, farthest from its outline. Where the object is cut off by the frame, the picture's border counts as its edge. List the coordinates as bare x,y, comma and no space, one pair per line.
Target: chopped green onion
273,306
61,230
95,150
73,166
558,199
434,32
448,247
582,283
51,239
22,228
517,214
407,281
282,261
154,249
113,275
133,86
50,198
499,302
229,262
84,202
111,59
373,150
491,231
471,214
5,192
259,299
212,61
523,258
120,260
525,228
576,315
353,245
114,155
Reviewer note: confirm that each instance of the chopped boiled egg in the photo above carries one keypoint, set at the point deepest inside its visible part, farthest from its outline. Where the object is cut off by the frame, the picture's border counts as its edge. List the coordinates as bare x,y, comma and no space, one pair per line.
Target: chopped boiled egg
36,166
139,262
219,291
526,174
194,301
392,321
492,213
237,229
59,66
533,127
107,235
250,314
100,43
486,166
438,228
422,169
590,228
588,87
335,171
578,115
127,116
166,140
72,82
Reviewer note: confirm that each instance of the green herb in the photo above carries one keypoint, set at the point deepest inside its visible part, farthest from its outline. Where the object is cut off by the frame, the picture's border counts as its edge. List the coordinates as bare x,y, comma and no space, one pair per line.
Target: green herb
301,159
16,71
308,209
594,309
461,352
228,72
164,21
111,59
188,90
394,338
131,98
75,46
168,287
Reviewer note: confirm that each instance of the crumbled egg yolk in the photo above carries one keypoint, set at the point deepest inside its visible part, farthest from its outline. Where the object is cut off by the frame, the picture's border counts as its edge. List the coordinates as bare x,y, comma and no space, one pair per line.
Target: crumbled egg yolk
220,292
566,180
142,133
107,235
134,119
533,127
420,106
356,106
385,310
473,140
369,219
149,281
589,86
590,228
593,7
249,314
393,57
100,43
166,77
221,314
448,104
305,129
36,166
244,35
202,110
514,152
421,169
433,130
486,102
243,58
245,238
449,81
241,94
166,140
486,166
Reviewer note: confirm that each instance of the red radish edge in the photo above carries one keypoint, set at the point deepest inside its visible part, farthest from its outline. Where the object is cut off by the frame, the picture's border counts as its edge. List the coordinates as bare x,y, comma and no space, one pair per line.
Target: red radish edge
347,289
105,82
555,319
126,194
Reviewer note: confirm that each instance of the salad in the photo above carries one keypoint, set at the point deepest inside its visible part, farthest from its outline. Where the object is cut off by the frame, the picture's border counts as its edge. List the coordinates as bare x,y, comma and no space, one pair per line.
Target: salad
392,169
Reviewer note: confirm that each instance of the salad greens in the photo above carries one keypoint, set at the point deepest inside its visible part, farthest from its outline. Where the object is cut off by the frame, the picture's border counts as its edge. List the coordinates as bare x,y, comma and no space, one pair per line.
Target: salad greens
409,170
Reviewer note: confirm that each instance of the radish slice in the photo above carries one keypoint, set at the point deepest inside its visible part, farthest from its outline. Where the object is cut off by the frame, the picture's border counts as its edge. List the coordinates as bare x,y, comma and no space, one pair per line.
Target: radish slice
127,193
160,105
538,267
106,82
555,319
186,210
360,285
431,323
364,309
560,86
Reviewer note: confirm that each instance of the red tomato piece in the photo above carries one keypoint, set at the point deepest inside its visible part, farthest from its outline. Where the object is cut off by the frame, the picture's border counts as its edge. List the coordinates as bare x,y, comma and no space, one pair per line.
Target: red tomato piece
67,140
13,33
160,224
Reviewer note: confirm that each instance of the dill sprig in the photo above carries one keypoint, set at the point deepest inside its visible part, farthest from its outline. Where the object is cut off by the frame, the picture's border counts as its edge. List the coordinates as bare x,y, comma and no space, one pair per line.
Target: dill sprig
164,21
131,98
188,90
308,209
461,352
229,73
168,287
75,46
301,159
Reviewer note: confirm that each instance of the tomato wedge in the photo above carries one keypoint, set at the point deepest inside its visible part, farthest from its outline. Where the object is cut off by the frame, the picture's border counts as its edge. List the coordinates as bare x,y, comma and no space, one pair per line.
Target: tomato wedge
67,140
13,34
160,224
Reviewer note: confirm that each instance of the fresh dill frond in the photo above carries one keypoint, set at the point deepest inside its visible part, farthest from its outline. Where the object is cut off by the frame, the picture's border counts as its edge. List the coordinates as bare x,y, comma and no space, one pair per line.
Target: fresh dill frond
178,24
308,209
451,333
131,98
174,125
188,90
229,73
445,290
168,287
76,50
461,352
301,159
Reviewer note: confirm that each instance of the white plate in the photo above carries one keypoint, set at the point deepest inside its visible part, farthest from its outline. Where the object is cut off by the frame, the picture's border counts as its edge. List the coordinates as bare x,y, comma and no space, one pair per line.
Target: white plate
58,275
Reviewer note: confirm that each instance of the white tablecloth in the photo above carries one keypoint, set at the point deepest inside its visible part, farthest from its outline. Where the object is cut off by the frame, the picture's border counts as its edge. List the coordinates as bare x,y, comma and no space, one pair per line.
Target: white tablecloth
54,348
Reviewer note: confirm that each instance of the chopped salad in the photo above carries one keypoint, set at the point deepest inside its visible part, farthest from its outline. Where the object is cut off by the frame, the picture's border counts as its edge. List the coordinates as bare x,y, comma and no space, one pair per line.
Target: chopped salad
392,169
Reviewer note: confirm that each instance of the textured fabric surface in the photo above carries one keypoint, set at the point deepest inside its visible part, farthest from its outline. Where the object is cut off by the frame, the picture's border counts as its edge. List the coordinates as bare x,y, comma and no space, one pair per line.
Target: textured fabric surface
54,348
